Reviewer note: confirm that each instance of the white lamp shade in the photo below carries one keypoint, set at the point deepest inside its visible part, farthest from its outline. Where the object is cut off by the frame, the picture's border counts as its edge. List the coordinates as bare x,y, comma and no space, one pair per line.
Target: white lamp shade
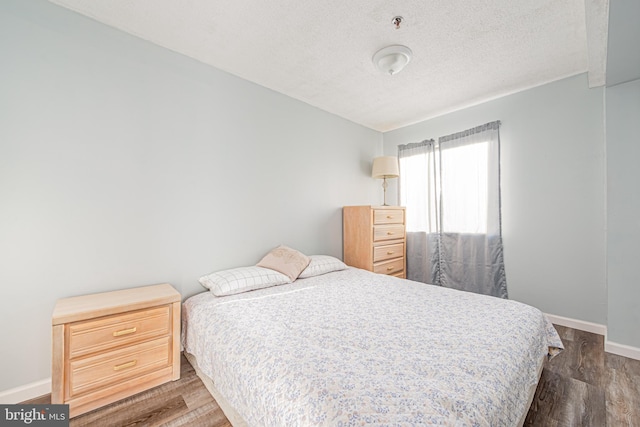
385,167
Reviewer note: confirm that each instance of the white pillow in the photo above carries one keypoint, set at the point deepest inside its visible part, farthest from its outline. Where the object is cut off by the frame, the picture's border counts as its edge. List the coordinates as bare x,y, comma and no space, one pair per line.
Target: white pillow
322,264
242,279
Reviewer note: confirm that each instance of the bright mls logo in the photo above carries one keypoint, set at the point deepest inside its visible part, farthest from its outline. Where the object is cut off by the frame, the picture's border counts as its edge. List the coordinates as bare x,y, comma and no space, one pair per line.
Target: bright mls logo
34,415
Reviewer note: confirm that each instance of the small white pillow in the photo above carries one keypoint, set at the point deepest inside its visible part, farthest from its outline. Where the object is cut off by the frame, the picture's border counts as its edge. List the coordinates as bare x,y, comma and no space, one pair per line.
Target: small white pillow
285,260
322,264
242,279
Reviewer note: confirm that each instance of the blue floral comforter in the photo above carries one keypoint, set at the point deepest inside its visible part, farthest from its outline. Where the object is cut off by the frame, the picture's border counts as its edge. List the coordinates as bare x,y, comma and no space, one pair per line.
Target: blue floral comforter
355,348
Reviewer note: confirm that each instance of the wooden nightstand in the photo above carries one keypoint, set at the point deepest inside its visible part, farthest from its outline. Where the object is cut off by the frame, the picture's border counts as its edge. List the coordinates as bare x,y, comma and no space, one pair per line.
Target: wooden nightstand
112,345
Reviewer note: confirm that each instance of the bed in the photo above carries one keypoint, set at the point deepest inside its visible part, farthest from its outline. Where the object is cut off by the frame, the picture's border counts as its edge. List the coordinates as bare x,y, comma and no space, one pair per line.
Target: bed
352,347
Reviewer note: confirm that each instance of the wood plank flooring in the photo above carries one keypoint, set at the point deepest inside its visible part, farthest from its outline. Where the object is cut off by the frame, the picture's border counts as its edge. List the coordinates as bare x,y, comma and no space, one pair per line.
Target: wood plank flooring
583,386
185,402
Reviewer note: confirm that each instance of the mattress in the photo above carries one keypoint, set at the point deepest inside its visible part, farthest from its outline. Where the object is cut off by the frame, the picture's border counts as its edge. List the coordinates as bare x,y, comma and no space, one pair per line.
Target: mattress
352,348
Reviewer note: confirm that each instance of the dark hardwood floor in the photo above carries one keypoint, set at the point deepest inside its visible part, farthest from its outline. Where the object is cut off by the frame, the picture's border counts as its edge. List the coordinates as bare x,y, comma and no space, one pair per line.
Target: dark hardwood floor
185,402
583,386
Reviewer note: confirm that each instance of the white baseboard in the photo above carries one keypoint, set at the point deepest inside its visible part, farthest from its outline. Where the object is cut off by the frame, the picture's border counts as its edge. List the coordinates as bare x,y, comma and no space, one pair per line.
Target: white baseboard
622,350
594,328
25,392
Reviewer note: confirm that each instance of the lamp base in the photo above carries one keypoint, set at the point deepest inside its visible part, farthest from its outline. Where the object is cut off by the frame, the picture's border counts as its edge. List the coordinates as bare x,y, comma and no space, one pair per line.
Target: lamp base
384,188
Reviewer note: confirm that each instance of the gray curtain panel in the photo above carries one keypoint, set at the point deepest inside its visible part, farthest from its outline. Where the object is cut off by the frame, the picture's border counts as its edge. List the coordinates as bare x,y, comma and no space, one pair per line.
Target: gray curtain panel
451,190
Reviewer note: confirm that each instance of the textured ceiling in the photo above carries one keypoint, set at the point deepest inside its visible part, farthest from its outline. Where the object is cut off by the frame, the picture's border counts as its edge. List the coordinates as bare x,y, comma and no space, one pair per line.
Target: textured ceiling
465,52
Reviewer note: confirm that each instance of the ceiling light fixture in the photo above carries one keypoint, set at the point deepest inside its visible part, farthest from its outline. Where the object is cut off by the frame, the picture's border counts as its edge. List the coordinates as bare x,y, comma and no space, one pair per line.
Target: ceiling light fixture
392,59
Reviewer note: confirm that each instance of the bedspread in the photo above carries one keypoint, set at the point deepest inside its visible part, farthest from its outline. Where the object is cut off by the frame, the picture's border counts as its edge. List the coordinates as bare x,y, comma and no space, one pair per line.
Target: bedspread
353,348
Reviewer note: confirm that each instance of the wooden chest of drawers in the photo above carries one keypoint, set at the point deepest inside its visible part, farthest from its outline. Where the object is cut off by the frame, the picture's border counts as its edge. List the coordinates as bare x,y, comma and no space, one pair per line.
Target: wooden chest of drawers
111,345
374,238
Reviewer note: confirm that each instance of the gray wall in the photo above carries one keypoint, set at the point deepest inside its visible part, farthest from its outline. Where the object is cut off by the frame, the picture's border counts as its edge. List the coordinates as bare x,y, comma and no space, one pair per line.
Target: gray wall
623,55
553,202
623,212
124,164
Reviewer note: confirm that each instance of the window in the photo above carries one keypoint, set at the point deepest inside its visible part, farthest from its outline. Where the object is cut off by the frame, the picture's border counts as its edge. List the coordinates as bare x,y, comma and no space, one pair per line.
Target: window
464,181
451,189
462,174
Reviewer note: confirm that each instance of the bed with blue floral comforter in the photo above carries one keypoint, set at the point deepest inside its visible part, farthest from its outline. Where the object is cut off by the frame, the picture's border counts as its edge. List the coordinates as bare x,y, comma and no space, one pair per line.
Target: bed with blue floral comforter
355,348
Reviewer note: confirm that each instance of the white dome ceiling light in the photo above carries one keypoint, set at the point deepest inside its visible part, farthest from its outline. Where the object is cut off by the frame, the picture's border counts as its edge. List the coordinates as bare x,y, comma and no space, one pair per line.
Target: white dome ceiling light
392,59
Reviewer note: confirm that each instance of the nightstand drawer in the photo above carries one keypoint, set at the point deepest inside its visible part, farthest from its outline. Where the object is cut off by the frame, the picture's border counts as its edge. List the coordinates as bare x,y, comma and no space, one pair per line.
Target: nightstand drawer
390,267
118,330
383,253
91,373
388,216
388,232
112,345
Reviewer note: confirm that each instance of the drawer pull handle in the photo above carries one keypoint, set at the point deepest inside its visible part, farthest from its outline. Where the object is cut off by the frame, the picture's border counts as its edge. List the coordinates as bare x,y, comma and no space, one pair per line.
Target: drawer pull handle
125,365
389,233
390,252
124,332
389,217
389,268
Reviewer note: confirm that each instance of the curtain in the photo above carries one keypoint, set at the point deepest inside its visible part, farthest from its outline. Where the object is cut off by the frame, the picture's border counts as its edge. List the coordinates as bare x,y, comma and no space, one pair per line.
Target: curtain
451,189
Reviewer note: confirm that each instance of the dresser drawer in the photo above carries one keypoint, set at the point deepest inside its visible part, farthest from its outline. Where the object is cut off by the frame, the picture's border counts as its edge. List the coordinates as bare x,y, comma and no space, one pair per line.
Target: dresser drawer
113,331
390,267
373,235
388,232
383,253
388,216
91,373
